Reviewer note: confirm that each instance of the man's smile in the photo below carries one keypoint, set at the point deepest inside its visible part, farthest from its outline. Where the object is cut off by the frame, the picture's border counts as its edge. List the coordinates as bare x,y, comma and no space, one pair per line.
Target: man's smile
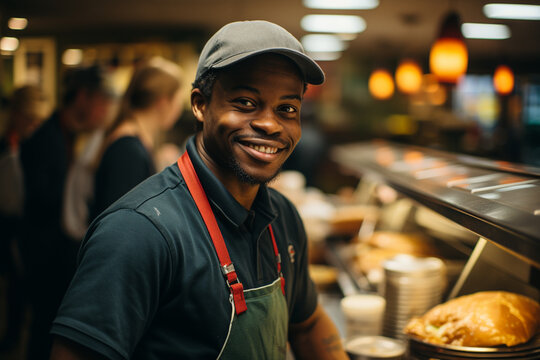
264,149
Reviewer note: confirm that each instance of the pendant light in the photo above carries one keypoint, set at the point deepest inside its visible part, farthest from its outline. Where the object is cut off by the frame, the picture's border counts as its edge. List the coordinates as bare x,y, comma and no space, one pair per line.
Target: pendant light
381,84
503,80
408,77
448,57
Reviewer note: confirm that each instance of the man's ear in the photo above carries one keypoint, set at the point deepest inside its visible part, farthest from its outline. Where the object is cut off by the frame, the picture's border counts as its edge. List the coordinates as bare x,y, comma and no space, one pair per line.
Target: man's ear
198,104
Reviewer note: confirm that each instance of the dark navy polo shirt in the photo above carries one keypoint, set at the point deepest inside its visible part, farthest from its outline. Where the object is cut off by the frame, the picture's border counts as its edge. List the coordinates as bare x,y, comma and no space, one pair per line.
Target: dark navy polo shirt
148,284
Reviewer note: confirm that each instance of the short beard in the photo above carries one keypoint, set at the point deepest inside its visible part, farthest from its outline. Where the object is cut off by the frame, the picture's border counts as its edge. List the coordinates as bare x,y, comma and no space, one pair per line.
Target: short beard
244,177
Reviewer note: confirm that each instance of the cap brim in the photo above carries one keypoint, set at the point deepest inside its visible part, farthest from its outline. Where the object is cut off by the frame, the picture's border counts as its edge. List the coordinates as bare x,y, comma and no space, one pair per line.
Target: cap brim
311,71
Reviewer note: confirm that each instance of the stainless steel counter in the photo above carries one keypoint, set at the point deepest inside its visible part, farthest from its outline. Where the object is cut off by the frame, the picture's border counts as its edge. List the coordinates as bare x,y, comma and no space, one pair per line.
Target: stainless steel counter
498,201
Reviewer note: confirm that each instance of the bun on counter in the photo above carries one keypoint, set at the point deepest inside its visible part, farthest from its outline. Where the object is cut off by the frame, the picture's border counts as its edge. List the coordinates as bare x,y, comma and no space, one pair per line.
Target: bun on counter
483,319
323,275
402,243
384,245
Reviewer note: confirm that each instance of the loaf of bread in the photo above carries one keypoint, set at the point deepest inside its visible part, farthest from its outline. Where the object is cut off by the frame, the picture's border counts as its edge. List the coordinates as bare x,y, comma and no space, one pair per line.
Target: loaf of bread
483,319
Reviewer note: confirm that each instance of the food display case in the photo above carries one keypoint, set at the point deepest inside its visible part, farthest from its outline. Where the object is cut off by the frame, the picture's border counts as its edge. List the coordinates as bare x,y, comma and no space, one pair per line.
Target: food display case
486,212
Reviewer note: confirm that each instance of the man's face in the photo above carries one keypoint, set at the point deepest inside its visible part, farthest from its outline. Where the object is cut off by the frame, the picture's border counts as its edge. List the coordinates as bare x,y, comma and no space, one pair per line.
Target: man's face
252,122
100,111
92,110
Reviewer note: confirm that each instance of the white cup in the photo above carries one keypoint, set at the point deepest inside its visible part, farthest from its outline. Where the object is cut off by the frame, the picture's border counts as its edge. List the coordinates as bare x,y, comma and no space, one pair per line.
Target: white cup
363,314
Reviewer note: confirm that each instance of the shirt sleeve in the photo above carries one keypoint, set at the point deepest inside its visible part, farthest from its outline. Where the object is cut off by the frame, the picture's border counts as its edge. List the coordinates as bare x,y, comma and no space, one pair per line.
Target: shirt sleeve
124,270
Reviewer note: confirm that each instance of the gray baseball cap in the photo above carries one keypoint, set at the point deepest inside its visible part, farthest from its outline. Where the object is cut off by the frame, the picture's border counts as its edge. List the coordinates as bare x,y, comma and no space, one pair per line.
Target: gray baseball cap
240,40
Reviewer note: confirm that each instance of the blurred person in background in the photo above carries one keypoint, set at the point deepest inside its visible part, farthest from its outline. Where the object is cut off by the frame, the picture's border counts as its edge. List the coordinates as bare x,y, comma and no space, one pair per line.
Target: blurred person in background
151,105
48,254
26,112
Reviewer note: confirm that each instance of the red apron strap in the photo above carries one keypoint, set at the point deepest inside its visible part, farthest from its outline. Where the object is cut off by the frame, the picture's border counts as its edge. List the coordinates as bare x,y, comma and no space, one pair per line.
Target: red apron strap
278,259
199,196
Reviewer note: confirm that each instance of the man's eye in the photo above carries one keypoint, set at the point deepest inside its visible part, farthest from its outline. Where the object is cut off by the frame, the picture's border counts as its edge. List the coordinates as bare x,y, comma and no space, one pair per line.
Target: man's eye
288,109
245,102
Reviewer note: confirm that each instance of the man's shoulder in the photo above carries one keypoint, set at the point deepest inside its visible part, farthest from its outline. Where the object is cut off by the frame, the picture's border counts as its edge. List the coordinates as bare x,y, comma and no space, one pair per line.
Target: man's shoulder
157,189
156,208
162,198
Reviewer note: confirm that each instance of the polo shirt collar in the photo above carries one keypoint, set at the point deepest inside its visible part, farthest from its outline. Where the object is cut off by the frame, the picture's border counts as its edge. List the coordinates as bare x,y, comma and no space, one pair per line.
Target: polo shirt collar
221,198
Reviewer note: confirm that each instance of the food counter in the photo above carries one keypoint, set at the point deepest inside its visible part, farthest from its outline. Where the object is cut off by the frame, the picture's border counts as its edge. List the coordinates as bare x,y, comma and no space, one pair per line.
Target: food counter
484,214
498,201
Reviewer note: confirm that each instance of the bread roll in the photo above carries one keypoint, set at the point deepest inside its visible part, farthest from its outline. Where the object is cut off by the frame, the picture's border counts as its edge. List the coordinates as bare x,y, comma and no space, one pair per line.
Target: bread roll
384,245
322,275
403,243
483,319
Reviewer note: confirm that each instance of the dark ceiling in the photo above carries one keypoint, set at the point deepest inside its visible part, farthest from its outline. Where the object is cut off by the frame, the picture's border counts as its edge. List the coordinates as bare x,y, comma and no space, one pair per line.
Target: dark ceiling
395,29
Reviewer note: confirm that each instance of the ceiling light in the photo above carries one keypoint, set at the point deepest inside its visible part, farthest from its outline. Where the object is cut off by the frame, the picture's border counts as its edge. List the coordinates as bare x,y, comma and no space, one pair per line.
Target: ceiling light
512,11
333,23
15,23
408,76
381,84
322,43
72,57
9,43
503,80
485,31
448,56
342,4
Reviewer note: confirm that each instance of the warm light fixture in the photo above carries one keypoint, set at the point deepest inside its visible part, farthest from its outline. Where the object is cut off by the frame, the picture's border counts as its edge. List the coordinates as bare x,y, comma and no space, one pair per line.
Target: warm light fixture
16,23
342,4
9,44
346,24
448,56
381,84
512,11
408,77
72,57
322,43
503,80
485,31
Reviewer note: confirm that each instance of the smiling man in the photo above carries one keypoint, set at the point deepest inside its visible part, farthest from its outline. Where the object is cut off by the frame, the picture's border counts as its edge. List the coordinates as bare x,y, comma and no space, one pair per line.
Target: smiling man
194,262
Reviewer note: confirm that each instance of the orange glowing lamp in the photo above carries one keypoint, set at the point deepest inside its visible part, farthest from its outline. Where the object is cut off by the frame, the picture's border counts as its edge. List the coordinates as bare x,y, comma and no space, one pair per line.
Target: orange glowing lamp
409,77
448,57
503,80
381,84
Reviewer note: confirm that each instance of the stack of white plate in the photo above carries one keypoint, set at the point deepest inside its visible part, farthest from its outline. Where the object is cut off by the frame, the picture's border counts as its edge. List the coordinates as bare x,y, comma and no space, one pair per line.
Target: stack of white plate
412,286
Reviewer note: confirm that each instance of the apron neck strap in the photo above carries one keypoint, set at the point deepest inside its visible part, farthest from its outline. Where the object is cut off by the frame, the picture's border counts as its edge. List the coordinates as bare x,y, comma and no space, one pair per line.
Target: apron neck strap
199,196
227,268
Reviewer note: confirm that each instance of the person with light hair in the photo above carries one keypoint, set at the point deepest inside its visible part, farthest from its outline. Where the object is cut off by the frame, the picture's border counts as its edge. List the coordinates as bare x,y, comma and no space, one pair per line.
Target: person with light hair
151,105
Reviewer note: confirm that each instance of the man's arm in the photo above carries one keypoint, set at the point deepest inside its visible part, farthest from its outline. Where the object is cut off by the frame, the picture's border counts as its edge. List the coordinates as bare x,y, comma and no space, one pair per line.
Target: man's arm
316,338
64,349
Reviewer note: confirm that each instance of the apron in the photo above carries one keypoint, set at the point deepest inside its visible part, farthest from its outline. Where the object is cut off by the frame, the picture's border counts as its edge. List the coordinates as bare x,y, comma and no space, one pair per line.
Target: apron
259,319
